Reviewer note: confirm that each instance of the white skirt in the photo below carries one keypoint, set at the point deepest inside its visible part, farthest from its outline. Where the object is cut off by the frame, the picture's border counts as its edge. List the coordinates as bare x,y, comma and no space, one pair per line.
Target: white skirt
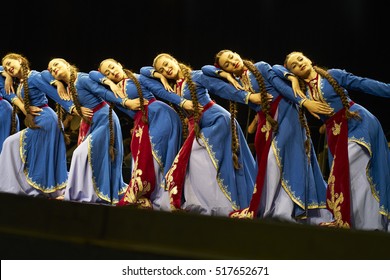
201,190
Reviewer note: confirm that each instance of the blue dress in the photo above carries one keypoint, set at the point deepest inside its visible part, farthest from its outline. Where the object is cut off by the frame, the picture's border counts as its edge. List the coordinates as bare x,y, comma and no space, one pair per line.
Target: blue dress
33,161
212,185
366,142
93,176
287,162
165,132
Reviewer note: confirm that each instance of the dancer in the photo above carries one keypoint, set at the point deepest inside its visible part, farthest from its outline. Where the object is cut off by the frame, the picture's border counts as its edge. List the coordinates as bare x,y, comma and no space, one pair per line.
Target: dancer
358,191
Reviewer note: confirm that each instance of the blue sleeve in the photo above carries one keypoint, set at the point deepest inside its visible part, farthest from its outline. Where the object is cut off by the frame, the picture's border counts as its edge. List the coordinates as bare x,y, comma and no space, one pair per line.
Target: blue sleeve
281,71
51,92
147,71
211,70
278,78
224,89
157,89
355,83
100,90
47,77
96,76
9,97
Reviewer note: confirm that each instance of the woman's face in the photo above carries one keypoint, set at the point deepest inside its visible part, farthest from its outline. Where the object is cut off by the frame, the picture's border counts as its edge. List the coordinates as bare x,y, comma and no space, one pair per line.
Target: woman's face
12,67
231,62
112,70
168,67
299,65
58,68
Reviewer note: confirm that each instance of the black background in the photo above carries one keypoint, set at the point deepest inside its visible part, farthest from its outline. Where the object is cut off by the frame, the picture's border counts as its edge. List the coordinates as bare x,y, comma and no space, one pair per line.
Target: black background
346,34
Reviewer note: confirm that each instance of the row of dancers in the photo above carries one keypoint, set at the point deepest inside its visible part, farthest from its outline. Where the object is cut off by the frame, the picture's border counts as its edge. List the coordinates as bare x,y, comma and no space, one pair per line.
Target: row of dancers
188,152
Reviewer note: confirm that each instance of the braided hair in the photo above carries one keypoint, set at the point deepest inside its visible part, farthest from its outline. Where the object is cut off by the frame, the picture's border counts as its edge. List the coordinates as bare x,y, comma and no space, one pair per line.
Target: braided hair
60,114
13,118
194,98
265,102
73,92
339,90
132,77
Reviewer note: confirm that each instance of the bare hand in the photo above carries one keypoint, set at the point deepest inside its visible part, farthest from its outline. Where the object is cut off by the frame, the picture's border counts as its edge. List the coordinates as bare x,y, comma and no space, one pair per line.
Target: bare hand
296,88
35,111
118,91
86,112
234,82
189,106
62,92
316,107
166,85
135,104
8,84
256,98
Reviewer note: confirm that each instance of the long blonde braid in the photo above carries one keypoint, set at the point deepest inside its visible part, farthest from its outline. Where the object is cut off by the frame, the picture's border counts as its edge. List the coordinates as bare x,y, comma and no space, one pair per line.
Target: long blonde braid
194,98
29,120
73,92
132,77
265,103
339,90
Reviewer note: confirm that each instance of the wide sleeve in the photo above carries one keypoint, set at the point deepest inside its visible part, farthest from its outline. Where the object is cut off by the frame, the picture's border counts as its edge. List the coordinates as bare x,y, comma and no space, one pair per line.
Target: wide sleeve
101,91
47,77
147,71
355,83
10,97
96,76
223,89
44,85
281,71
277,76
157,89
211,70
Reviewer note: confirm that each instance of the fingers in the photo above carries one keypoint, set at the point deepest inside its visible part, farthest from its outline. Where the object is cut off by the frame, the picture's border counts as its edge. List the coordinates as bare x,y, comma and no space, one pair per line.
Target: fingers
315,115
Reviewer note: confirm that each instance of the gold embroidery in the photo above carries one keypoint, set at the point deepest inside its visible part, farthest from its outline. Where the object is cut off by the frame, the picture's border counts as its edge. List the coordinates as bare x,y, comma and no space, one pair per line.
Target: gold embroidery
173,192
246,83
168,176
266,129
137,187
336,129
243,214
334,204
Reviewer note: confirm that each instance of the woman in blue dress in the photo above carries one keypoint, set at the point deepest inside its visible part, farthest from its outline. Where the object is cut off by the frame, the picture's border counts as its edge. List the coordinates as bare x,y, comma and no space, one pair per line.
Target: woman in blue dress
95,174
156,137
214,172
358,192
289,183
33,161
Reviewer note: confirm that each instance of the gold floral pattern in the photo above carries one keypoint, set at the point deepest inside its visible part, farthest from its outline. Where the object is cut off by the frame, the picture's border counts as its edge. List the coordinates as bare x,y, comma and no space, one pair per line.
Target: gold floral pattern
334,204
336,129
266,128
